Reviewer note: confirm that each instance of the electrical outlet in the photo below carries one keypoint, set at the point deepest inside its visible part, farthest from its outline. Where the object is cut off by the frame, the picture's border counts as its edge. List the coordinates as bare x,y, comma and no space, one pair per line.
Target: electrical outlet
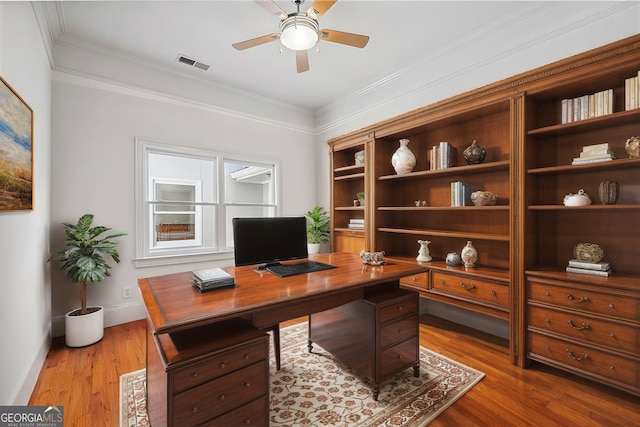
126,292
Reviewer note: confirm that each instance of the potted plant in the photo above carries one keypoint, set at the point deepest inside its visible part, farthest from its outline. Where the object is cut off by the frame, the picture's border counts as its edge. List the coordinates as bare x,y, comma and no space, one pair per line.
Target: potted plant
318,229
84,262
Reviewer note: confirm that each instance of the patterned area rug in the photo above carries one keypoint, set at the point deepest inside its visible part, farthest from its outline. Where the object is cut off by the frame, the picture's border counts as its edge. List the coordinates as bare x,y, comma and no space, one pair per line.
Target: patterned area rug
314,389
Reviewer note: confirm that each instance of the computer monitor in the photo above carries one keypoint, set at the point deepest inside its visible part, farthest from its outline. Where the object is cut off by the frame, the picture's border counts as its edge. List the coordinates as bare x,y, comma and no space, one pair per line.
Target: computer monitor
267,241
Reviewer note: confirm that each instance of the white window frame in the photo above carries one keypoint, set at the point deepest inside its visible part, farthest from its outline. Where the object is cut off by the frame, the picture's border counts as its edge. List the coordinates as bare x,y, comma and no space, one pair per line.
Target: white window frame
189,253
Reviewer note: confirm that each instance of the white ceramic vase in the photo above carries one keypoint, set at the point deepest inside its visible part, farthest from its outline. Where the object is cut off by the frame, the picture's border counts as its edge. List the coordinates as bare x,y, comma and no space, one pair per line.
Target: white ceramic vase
84,330
469,255
403,160
423,252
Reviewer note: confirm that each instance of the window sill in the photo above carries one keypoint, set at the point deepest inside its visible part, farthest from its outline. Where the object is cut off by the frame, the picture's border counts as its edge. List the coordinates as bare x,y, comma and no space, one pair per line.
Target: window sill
182,259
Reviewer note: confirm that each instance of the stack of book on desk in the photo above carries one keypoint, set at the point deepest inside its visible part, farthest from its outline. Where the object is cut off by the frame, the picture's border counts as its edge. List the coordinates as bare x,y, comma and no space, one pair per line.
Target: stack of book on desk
592,268
356,224
594,153
211,278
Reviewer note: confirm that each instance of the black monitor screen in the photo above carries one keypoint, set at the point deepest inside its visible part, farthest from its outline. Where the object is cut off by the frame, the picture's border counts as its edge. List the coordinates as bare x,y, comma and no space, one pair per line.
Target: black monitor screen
264,241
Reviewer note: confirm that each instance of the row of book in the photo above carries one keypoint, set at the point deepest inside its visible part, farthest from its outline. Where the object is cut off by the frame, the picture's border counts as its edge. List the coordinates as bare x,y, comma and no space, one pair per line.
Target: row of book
442,156
594,153
356,224
587,106
591,268
461,194
211,278
632,92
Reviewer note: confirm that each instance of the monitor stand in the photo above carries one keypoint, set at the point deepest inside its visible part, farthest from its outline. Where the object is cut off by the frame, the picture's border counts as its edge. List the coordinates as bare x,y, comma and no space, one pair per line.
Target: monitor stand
260,268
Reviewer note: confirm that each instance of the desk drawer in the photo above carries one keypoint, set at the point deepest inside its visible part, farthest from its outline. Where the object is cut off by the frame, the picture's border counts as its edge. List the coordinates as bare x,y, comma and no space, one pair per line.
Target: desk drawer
398,331
218,365
399,307
395,359
419,280
220,395
251,414
472,288
590,329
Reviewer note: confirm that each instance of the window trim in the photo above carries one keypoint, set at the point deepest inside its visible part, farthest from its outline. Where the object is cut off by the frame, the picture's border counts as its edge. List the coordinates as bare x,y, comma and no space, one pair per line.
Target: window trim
142,148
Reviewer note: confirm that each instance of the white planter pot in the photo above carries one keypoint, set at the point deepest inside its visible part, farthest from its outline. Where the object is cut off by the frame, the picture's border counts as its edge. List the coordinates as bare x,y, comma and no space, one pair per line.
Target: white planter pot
84,330
313,248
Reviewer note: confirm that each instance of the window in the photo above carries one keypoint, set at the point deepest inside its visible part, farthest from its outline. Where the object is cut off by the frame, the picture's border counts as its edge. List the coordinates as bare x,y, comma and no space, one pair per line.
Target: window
186,199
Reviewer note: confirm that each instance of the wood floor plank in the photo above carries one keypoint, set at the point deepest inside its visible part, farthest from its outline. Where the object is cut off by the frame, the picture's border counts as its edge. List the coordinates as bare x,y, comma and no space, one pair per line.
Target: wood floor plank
86,382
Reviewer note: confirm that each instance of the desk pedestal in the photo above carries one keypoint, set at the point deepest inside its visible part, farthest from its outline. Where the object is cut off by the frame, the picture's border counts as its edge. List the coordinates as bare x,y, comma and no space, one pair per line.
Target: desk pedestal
376,335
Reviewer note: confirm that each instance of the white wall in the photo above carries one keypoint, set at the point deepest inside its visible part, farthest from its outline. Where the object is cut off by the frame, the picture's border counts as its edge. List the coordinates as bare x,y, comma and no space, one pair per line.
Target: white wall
25,300
94,126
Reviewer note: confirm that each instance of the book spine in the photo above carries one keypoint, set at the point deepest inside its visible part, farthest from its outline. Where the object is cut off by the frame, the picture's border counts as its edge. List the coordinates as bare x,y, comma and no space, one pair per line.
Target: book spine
587,161
589,272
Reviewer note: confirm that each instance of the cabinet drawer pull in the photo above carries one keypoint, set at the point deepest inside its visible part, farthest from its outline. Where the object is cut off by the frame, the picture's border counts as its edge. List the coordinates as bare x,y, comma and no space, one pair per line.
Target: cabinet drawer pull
194,375
548,294
221,397
222,365
247,384
471,286
194,409
246,357
578,358
247,421
582,299
399,308
582,328
493,292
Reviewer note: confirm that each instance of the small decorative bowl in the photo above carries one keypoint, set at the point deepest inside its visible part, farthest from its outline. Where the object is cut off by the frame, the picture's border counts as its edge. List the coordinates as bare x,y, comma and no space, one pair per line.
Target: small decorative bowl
579,199
372,258
484,198
588,252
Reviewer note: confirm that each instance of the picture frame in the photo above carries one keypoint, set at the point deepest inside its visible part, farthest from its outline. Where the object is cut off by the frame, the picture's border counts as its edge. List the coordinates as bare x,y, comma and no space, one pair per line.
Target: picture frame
16,151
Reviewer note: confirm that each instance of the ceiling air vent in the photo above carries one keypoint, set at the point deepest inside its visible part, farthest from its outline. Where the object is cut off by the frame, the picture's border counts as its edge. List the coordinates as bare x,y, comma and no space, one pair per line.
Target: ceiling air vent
192,62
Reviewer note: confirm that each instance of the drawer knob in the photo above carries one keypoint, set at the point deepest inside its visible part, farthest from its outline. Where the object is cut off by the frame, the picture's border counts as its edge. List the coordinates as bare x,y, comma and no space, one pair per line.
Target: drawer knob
246,357
222,365
399,308
578,358
613,368
612,335
414,278
465,286
582,299
221,397
581,328
247,421
194,374
611,305
194,409
548,294
442,282
493,292
549,320
247,384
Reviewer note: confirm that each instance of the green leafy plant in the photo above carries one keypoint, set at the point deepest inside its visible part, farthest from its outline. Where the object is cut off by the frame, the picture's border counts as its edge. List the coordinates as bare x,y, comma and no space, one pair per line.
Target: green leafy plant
360,197
318,226
84,256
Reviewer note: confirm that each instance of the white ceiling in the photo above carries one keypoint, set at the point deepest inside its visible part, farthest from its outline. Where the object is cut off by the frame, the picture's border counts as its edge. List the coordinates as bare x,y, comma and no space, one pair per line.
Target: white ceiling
402,33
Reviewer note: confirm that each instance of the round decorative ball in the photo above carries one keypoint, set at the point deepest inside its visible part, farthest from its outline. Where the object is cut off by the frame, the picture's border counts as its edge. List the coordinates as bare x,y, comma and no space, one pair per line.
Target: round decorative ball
588,252
632,146
474,153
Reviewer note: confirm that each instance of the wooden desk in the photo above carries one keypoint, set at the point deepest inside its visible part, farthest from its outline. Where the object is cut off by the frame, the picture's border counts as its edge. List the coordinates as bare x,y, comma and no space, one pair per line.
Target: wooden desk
212,341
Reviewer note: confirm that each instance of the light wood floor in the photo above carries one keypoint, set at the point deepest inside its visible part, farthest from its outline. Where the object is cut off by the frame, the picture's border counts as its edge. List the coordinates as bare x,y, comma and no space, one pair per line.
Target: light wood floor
85,382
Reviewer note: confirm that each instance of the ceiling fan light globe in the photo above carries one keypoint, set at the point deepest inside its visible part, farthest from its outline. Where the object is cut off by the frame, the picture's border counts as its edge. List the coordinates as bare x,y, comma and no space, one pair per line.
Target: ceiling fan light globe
299,32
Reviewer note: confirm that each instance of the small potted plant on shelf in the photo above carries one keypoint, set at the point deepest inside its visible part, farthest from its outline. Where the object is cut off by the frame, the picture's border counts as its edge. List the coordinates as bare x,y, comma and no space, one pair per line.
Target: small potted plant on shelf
83,261
318,229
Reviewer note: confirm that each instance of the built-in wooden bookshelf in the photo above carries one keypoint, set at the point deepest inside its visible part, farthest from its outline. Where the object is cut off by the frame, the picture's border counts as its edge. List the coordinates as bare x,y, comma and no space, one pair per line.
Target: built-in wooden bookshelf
582,323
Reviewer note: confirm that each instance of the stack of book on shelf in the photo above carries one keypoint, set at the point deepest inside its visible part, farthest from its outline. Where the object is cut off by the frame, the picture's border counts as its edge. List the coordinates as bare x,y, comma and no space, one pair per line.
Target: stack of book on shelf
442,156
461,194
587,106
632,93
211,278
594,154
591,268
356,224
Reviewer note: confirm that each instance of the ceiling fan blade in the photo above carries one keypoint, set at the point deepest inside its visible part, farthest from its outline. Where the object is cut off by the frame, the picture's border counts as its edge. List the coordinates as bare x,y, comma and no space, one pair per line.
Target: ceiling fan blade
256,42
319,7
302,61
355,40
271,7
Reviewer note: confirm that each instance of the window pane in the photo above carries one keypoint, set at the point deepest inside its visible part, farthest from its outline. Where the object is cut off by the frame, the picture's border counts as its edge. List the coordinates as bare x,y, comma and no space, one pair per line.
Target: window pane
249,183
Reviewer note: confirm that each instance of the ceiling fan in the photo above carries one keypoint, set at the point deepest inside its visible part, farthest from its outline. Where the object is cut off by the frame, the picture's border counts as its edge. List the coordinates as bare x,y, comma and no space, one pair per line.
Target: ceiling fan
300,31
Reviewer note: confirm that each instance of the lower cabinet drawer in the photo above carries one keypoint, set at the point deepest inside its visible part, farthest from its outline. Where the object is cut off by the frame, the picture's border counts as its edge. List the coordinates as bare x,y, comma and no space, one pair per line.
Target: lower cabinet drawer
593,330
398,331
251,414
419,280
592,363
221,395
472,288
401,307
398,357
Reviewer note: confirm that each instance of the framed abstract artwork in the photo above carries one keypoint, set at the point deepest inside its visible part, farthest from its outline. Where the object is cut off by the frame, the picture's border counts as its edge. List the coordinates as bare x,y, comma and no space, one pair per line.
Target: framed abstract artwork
16,151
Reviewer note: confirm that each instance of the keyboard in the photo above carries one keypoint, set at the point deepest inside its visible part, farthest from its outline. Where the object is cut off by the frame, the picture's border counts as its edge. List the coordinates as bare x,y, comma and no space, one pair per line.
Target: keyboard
304,267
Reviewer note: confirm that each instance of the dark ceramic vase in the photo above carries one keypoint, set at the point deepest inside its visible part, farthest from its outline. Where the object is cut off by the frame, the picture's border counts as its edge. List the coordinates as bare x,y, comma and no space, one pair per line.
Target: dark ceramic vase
474,153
